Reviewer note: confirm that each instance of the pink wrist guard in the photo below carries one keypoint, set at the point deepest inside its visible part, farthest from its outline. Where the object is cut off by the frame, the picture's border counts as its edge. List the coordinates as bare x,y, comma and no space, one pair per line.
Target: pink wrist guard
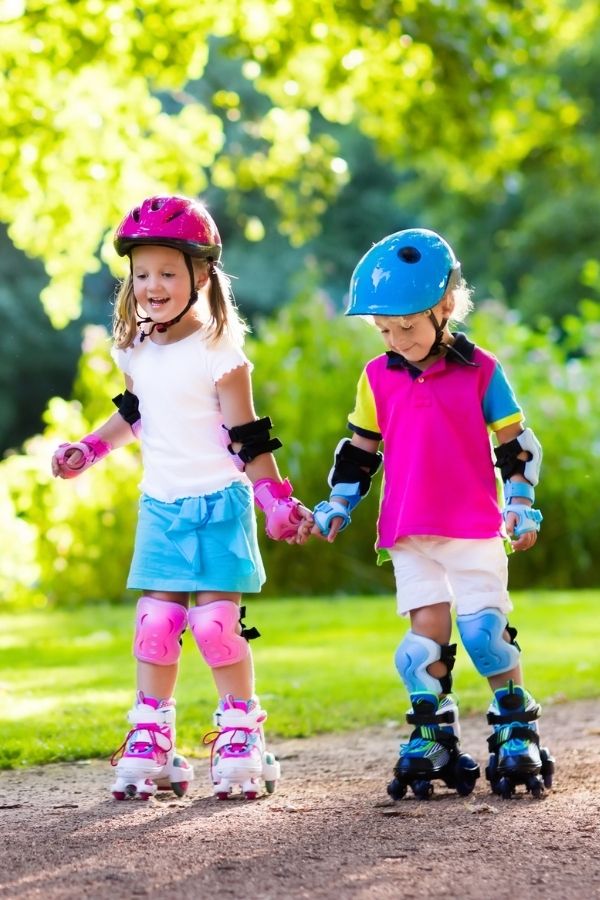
92,449
281,510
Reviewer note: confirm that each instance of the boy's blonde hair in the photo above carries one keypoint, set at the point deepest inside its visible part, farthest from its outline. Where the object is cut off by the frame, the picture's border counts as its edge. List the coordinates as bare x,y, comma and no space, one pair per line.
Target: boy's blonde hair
224,315
463,304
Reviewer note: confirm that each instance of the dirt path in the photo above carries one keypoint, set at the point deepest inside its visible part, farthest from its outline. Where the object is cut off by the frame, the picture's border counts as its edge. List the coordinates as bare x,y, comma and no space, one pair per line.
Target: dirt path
328,832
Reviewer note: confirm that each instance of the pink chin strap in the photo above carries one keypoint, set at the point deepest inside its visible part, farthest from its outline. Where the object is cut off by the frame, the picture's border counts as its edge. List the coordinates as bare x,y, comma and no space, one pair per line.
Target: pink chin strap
282,511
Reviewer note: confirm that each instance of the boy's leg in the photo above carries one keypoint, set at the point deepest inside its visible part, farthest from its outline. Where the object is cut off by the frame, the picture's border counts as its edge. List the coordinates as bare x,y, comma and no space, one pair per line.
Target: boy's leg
490,641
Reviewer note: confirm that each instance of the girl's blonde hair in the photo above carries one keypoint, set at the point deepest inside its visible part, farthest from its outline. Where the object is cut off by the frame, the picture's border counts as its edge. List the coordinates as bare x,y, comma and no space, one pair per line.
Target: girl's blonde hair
224,315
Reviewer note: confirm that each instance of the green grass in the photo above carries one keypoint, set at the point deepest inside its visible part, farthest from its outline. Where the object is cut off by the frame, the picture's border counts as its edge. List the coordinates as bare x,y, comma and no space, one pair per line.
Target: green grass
322,665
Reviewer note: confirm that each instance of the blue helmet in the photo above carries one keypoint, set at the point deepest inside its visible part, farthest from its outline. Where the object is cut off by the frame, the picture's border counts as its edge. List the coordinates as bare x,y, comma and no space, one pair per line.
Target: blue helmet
405,273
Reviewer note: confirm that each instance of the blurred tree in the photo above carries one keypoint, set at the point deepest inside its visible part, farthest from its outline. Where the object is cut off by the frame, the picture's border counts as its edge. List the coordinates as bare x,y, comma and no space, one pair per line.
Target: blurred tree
97,111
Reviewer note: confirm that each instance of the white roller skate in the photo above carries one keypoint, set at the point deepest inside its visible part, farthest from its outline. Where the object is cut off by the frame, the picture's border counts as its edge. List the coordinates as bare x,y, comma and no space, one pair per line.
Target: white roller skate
238,755
147,760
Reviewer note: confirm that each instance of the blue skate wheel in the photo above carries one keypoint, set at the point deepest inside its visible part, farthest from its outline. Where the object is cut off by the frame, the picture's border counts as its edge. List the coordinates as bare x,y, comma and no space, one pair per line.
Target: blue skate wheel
535,785
466,773
547,766
422,790
505,788
396,789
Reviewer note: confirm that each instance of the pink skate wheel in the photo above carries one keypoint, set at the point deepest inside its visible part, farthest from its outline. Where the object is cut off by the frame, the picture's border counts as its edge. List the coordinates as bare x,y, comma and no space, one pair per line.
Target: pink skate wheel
119,795
251,795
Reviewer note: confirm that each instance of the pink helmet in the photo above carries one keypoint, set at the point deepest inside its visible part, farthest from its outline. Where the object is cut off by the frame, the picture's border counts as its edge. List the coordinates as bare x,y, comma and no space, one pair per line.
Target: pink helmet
171,222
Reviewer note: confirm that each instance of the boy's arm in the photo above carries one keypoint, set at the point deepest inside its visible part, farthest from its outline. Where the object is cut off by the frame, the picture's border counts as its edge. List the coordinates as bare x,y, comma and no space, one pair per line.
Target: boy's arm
520,496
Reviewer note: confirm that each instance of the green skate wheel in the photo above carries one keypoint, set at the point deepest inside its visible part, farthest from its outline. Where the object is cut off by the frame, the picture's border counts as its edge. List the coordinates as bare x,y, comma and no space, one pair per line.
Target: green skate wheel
270,785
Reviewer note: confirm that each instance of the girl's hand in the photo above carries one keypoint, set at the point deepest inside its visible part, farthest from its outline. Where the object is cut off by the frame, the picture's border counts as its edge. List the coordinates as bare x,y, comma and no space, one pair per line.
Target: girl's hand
305,526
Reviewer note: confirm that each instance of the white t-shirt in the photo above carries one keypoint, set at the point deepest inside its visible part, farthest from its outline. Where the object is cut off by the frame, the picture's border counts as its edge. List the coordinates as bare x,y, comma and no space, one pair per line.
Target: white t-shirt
183,442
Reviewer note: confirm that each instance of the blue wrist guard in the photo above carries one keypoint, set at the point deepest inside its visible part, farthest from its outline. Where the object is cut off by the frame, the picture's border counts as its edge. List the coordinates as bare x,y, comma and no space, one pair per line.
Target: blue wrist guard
327,510
521,489
528,518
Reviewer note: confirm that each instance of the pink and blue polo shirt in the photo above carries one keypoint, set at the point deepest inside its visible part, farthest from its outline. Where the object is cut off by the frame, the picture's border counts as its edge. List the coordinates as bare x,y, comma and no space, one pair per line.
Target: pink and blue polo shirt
439,477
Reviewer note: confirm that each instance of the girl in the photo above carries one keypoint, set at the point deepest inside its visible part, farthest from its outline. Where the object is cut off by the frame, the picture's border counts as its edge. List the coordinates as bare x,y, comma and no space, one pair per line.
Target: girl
178,340
433,398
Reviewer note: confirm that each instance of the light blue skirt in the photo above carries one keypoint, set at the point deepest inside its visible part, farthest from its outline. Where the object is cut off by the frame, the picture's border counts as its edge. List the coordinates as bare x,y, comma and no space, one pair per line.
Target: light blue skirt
204,543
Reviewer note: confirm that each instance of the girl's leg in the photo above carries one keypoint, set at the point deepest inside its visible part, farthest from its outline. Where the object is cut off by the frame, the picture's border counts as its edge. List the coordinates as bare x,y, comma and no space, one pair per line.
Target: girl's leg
238,753
236,678
147,760
159,680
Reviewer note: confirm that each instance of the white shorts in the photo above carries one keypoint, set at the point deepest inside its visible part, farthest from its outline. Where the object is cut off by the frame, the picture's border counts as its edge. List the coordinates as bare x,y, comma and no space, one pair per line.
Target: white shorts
468,574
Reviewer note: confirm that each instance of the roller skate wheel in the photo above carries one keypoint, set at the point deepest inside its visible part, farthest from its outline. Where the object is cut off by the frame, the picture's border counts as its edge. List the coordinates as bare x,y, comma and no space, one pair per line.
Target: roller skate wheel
396,789
119,795
466,773
271,772
423,790
251,795
505,788
222,795
144,795
179,788
547,766
535,785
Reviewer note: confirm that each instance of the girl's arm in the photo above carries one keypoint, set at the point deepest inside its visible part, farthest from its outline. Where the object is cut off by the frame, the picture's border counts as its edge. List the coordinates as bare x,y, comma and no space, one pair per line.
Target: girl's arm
71,459
286,518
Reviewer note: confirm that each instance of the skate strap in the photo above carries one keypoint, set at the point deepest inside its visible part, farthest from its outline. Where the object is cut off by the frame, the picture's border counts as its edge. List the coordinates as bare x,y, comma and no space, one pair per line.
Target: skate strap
154,732
251,633
506,718
509,733
431,733
428,719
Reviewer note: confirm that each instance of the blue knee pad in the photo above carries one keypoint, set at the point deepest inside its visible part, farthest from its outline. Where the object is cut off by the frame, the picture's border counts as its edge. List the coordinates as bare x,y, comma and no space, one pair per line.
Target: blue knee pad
414,654
482,637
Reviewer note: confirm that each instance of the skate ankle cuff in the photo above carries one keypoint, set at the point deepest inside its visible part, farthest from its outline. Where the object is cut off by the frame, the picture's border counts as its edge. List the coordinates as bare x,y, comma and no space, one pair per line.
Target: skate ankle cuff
431,719
526,715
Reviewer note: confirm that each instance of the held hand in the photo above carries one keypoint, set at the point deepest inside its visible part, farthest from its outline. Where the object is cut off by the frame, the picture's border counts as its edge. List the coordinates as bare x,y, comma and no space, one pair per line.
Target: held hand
335,526
285,517
304,526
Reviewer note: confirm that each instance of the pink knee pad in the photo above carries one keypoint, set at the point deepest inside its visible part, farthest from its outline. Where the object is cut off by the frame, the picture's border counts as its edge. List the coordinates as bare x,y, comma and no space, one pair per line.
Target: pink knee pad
158,626
214,627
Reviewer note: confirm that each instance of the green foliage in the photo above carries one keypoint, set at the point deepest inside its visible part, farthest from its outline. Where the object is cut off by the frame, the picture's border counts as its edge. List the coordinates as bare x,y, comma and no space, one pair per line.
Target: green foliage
323,665
75,537
106,102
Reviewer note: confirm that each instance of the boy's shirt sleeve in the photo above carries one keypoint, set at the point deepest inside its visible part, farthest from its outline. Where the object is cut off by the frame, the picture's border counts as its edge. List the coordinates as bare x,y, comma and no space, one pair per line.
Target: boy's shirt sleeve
363,419
500,407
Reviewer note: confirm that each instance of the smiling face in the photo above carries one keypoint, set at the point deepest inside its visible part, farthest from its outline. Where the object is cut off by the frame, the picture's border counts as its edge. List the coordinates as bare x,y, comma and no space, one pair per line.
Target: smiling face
161,281
412,336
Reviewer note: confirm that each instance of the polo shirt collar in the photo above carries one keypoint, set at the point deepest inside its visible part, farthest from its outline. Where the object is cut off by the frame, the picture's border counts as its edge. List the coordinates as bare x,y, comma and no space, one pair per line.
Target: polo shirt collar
461,351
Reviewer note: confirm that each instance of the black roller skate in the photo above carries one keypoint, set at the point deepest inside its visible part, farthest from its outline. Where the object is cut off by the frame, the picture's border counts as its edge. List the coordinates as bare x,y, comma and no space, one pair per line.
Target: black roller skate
433,751
515,755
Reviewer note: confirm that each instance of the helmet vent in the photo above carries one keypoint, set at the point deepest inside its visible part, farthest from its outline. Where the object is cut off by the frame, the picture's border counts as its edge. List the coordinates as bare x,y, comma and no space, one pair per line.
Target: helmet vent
409,254
174,215
156,204
135,215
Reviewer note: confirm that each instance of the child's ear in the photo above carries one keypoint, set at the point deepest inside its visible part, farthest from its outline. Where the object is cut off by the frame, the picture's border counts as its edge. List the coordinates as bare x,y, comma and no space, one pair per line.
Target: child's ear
447,304
202,275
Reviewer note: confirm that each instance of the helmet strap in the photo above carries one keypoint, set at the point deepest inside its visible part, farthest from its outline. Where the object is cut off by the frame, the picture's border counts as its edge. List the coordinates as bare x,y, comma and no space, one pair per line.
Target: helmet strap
163,326
439,334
